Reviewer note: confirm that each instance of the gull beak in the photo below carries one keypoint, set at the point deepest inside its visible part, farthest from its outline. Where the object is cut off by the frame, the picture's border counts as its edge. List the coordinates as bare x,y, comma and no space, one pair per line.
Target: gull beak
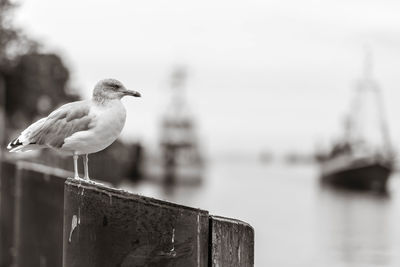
131,93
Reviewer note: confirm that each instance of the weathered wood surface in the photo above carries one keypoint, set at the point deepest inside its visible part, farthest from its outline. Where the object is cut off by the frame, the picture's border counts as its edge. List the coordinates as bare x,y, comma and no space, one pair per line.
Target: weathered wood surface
231,244
109,227
7,207
31,215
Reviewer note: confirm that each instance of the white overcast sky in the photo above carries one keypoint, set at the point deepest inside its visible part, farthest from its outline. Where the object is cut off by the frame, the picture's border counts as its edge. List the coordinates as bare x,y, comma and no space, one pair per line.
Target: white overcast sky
263,74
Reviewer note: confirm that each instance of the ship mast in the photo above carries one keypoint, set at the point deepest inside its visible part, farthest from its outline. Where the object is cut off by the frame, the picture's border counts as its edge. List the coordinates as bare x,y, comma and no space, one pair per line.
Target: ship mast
178,80
181,157
368,85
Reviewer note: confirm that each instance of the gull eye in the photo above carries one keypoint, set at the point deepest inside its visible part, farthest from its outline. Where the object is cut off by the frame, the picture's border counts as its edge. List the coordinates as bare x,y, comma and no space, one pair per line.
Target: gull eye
114,86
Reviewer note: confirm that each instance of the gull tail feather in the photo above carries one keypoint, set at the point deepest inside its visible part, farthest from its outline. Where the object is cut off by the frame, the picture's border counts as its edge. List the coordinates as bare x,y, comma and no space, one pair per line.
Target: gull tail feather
14,144
17,146
23,143
25,148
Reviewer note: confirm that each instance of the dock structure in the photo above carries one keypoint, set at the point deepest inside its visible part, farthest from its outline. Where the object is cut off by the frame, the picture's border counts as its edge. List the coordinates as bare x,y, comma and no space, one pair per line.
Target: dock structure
231,241
49,220
31,214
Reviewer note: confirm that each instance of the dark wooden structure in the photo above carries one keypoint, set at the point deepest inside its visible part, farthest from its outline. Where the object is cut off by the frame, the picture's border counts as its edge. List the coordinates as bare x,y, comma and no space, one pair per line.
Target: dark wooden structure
31,215
231,243
47,220
109,227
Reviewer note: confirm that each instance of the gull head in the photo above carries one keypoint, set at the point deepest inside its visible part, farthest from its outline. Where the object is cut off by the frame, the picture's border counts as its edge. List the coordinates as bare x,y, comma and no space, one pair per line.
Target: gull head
109,89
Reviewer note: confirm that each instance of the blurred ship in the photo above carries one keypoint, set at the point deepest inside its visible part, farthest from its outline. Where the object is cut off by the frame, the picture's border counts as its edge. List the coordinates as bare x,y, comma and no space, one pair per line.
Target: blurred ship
179,161
356,160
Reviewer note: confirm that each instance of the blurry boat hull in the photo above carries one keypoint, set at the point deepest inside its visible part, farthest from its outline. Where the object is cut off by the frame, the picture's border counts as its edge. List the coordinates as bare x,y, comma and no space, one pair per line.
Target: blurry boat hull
360,175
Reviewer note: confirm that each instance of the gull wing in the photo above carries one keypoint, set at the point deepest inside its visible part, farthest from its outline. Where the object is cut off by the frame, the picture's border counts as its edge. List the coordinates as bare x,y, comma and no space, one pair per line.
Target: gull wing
54,129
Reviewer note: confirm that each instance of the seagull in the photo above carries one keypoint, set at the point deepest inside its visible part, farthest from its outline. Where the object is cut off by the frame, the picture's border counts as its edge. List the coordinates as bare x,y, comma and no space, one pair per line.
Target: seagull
81,127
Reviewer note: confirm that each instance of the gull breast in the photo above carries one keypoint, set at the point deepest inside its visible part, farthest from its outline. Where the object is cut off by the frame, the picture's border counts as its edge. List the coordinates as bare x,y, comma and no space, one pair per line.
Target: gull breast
108,120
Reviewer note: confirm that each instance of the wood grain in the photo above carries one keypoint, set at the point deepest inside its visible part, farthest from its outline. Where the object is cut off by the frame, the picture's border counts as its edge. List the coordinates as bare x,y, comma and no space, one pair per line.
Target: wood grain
109,227
231,243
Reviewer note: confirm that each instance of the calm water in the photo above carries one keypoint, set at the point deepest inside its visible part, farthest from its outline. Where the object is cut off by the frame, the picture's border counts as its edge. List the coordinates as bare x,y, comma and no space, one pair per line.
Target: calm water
297,222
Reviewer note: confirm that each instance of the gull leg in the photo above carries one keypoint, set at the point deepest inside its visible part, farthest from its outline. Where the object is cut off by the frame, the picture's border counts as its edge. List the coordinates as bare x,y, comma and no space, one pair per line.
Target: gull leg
86,166
76,165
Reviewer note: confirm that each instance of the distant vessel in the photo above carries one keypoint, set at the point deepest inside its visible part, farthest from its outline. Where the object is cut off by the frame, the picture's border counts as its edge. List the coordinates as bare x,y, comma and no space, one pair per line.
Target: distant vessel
179,160
356,160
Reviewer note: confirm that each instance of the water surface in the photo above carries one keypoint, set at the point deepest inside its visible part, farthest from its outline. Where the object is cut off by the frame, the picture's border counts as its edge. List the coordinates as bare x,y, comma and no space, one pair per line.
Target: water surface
298,222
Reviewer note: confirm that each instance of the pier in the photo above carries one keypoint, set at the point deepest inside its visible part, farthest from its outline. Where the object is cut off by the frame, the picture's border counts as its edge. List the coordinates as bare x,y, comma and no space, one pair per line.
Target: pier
48,219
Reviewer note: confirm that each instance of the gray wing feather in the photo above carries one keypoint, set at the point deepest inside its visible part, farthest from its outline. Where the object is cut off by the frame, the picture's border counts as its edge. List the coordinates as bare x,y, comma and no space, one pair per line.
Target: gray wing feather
62,123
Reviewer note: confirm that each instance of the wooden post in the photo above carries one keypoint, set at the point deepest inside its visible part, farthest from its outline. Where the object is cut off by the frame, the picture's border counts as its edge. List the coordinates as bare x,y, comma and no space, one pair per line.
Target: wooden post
109,227
231,243
2,115
31,213
2,124
7,210
45,222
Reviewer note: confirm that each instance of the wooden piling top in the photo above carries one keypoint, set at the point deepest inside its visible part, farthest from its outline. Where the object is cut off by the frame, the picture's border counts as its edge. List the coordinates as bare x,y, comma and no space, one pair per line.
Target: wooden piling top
231,243
105,226
102,188
91,224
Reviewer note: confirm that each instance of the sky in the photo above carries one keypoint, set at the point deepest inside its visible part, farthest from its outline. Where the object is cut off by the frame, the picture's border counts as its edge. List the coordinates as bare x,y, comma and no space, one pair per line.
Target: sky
262,75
